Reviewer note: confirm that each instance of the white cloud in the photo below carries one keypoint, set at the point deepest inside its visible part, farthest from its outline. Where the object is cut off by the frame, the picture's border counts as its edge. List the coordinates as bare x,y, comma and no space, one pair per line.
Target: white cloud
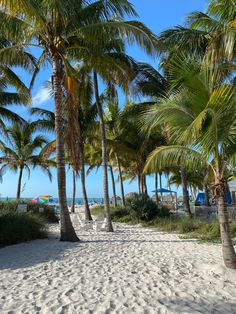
41,96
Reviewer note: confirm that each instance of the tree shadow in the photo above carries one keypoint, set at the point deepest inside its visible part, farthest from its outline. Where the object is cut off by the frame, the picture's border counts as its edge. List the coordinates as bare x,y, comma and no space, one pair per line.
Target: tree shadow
34,252
207,305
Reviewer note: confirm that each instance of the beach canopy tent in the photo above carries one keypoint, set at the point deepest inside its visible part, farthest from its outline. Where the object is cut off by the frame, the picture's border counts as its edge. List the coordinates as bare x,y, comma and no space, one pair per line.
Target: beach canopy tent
200,199
46,199
162,191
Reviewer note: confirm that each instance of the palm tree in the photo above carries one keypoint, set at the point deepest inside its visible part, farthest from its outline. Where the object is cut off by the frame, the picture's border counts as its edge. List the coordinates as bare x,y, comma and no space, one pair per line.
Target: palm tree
74,29
9,80
201,116
77,124
211,35
23,152
111,117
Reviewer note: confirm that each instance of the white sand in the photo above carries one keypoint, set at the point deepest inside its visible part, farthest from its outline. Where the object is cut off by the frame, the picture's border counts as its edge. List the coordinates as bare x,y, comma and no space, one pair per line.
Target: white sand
134,270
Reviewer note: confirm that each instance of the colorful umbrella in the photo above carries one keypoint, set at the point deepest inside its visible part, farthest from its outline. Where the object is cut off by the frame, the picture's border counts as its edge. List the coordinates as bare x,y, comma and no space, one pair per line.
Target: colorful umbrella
47,199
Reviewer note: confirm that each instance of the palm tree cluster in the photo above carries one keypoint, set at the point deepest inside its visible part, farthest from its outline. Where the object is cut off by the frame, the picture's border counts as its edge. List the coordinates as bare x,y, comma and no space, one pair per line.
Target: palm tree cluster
186,129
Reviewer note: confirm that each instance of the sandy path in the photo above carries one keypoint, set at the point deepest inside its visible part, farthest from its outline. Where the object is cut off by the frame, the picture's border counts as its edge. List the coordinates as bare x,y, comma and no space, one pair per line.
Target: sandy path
134,270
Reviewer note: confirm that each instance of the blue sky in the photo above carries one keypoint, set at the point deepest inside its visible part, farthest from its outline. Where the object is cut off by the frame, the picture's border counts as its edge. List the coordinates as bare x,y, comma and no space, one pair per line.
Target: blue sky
157,15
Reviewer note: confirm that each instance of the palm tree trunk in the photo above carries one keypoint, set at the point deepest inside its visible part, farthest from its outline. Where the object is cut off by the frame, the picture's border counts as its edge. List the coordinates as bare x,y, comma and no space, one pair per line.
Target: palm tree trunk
206,190
185,191
73,192
228,251
139,185
67,230
145,185
19,183
87,212
121,181
160,177
104,155
113,186
233,198
156,187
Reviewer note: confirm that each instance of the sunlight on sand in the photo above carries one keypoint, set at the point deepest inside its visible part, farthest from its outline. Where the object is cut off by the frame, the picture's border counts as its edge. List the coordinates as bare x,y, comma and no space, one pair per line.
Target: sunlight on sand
134,270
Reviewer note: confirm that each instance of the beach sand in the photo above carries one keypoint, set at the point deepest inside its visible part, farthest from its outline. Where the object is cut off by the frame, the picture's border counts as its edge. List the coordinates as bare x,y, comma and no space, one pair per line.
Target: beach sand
133,270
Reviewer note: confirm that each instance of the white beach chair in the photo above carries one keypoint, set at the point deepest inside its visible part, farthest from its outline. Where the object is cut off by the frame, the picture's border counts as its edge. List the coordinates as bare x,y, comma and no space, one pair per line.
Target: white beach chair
77,220
100,225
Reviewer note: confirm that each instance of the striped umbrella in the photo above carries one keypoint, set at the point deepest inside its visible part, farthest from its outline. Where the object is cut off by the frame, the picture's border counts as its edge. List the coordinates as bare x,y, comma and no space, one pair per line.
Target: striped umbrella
47,199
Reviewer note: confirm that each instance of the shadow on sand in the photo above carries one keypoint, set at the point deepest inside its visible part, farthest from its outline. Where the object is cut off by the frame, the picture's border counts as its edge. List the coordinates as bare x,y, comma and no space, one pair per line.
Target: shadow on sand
208,305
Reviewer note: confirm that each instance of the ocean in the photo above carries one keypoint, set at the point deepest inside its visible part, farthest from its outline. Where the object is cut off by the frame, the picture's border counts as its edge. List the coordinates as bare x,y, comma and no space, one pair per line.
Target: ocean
78,201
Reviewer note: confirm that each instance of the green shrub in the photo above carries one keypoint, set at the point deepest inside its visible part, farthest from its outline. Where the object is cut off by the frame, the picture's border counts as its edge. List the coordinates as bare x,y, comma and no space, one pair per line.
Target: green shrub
163,212
187,225
118,212
141,207
48,214
18,227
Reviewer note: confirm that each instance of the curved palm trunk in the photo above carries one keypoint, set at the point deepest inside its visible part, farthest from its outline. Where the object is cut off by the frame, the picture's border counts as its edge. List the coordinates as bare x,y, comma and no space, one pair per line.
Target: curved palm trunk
185,191
104,155
73,192
19,184
67,230
228,251
113,186
121,181
87,212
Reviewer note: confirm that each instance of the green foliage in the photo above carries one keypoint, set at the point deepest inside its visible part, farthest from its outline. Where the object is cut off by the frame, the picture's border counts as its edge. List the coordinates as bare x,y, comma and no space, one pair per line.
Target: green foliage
97,211
19,227
163,212
118,214
192,228
141,207
48,214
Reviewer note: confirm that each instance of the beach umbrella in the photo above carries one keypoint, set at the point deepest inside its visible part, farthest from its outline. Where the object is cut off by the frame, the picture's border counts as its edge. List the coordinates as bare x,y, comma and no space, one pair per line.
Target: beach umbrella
47,199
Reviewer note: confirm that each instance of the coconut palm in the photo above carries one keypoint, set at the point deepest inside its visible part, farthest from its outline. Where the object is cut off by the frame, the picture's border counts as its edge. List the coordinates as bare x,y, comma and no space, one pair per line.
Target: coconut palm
211,35
22,151
202,117
19,94
75,28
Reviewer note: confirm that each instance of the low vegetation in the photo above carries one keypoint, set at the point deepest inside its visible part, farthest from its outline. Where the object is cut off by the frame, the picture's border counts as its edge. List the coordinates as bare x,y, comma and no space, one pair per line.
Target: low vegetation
19,227
48,213
16,227
147,213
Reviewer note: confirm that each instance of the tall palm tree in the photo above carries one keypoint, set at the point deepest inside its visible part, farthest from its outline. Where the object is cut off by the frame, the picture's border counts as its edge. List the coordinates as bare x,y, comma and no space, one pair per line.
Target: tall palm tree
75,28
23,151
77,124
111,117
201,116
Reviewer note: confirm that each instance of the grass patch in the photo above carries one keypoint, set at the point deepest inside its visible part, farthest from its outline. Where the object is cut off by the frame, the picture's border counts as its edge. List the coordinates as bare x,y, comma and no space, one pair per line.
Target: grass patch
192,228
118,214
19,227
189,228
